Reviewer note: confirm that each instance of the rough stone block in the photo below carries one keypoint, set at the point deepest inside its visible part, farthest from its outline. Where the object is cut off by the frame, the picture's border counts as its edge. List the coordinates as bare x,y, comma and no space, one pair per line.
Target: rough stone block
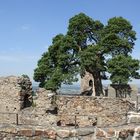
26,132
39,132
63,133
51,134
7,118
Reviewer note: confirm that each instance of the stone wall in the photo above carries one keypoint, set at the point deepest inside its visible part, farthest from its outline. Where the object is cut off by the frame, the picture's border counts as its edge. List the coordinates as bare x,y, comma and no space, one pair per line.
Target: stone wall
79,111
63,117
87,84
48,109
42,100
40,113
92,111
129,132
14,93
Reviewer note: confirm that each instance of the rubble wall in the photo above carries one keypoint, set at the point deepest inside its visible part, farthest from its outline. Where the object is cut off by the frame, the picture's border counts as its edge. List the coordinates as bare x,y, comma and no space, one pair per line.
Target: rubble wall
14,92
93,111
130,132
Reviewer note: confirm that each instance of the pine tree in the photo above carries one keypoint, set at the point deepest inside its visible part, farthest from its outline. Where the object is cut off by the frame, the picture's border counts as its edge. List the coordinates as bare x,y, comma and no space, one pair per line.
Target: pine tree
93,47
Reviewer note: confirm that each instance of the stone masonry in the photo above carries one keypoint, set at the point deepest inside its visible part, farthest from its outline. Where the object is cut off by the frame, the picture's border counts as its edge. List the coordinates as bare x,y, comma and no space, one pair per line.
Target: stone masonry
129,91
93,111
87,84
59,117
126,132
14,93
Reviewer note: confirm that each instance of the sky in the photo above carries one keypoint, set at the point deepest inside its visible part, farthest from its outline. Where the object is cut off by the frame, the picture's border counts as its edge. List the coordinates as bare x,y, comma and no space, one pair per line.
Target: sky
28,26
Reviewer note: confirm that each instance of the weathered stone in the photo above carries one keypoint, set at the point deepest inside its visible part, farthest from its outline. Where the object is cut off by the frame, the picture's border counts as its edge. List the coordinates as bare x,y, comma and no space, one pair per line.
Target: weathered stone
63,120
7,118
85,131
100,133
38,138
44,98
123,134
131,131
83,121
110,132
50,134
33,117
92,111
138,131
26,132
73,133
14,93
72,111
39,132
133,117
87,84
63,133
6,129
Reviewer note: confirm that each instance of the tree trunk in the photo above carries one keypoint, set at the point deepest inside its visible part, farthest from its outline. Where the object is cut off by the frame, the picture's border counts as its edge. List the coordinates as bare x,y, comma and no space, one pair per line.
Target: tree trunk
97,83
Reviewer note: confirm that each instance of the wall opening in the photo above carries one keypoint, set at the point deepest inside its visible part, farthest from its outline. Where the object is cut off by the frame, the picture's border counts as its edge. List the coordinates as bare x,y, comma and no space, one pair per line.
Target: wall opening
90,83
27,102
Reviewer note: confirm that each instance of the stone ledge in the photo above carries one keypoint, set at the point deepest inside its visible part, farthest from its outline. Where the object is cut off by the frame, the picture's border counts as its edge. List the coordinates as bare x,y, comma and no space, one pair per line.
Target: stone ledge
59,133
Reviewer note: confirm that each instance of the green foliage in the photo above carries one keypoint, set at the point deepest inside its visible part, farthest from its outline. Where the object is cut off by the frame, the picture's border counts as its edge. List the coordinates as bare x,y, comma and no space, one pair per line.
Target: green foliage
118,37
25,76
58,65
87,46
84,30
122,69
92,59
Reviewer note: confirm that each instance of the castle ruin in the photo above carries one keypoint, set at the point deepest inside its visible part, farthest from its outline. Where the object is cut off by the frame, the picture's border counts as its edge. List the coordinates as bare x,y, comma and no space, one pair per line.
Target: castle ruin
87,84
60,117
129,91
14,93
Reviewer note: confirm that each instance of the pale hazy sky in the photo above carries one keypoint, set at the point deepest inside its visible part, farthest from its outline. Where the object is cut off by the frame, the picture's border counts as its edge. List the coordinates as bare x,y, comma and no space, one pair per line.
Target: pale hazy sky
27,27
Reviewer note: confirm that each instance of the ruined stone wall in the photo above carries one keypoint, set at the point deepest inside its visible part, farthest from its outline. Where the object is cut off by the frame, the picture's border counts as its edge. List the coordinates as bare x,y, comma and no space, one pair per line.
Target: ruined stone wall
85,84
14,92
76,118
52,111
129,132
92,111
80,111
38,113
42,100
